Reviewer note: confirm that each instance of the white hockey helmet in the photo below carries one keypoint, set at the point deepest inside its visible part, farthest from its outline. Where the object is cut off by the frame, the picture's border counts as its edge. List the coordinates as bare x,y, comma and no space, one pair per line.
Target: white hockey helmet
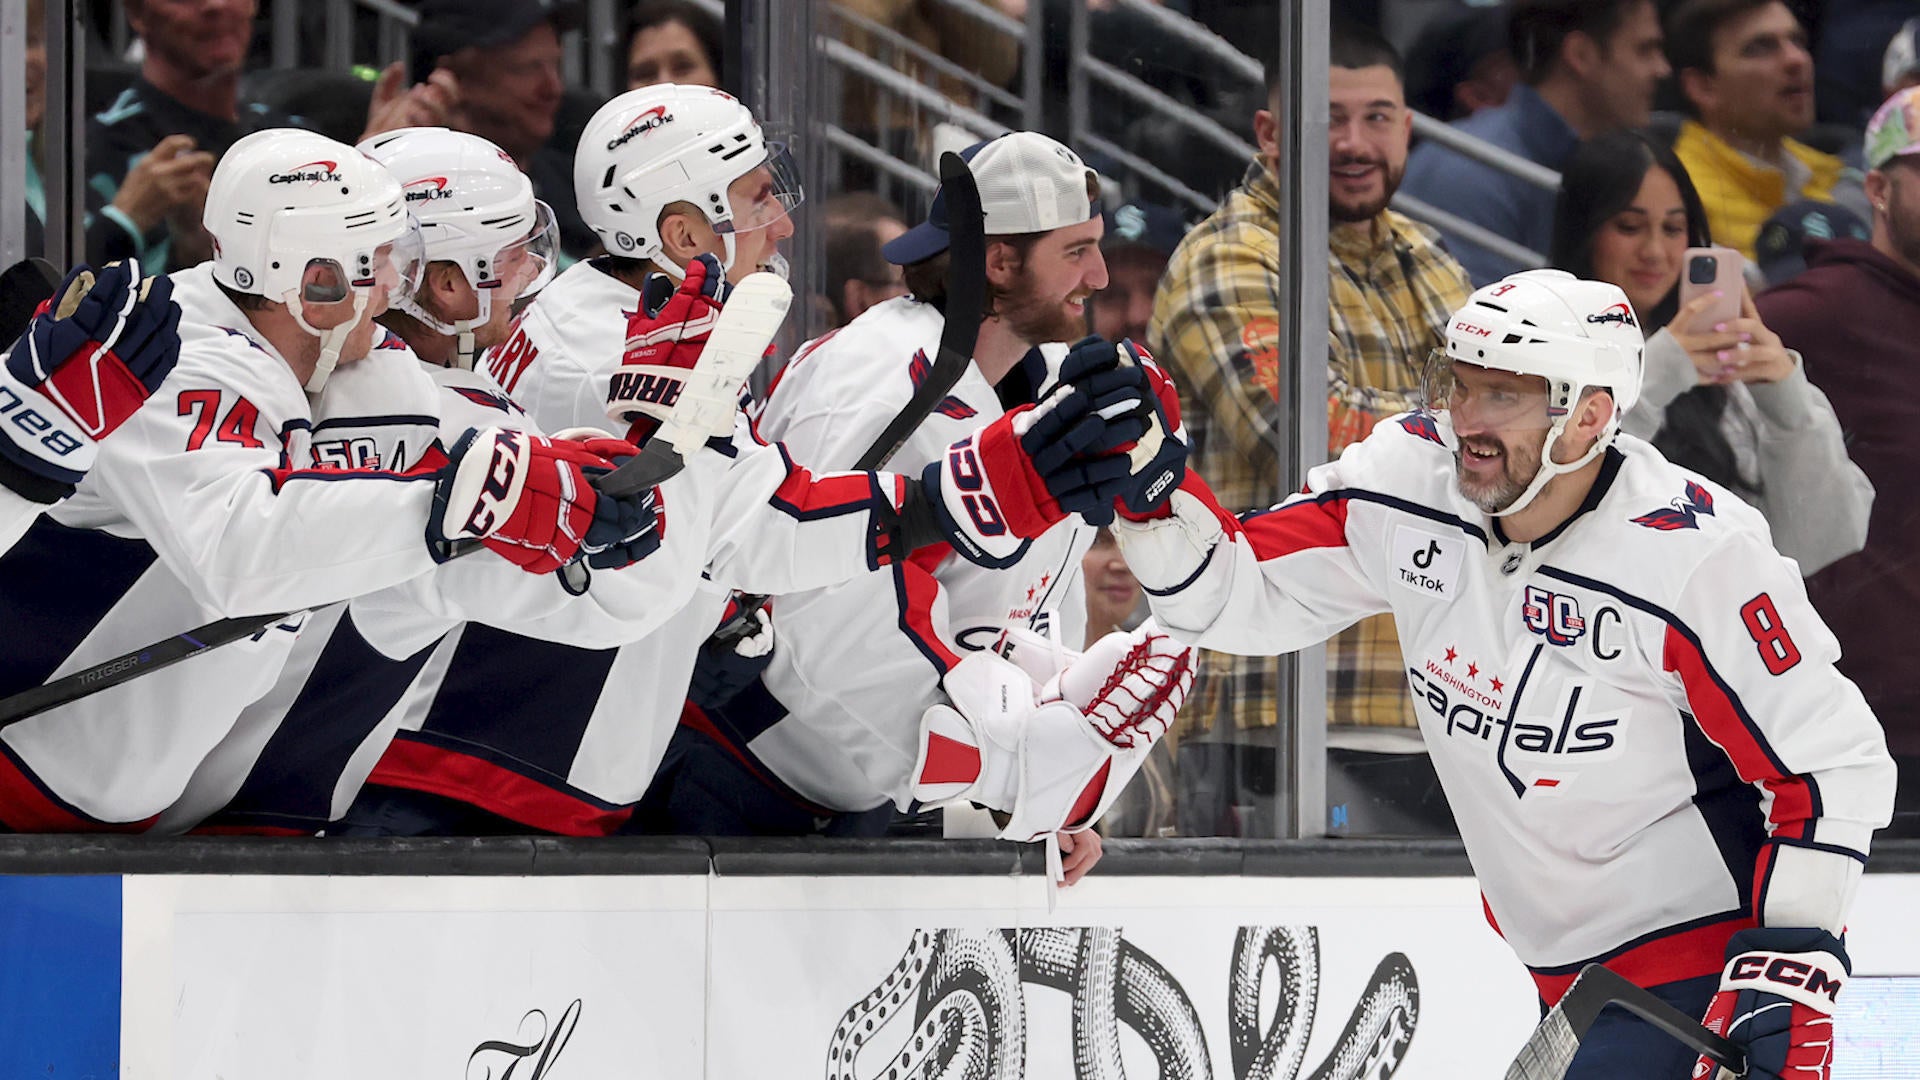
284,201
1578,335
475,209
658,145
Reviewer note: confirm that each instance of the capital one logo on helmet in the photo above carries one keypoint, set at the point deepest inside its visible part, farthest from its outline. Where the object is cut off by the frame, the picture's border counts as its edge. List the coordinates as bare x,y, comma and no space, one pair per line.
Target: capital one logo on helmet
426,189
313,172
647,121
1615,313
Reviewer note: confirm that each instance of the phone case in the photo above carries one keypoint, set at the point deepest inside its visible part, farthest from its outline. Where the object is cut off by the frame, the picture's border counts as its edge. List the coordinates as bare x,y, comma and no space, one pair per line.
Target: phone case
1727,277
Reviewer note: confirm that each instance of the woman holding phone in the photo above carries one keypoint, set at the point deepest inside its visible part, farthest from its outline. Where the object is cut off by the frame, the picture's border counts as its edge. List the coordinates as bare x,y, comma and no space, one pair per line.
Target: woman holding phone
1722,396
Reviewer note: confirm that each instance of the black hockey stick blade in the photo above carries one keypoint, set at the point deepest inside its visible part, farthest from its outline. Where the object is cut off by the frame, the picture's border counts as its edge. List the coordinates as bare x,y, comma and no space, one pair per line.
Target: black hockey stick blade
966,306
656,463
1550,1049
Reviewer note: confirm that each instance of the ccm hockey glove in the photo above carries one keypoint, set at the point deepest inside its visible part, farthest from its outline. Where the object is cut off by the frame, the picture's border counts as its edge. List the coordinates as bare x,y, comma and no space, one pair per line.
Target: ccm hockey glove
664,341
531,500
1014,479
1776,1002
87,362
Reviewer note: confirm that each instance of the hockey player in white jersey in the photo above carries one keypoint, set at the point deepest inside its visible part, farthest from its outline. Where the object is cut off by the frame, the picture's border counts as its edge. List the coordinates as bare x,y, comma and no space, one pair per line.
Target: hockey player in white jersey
1632,707
599,718
210,501
88,359
487,244
833,737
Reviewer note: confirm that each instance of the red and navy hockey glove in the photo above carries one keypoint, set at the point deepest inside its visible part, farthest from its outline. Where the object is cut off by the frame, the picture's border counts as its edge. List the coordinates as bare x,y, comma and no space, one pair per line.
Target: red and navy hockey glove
1776,1002
1011,481
87,362
531,500
664,341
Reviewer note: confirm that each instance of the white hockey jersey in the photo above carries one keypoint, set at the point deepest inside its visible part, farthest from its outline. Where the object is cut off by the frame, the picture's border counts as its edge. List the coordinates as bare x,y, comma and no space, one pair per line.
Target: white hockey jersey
857,664
563,738
1636,718
296,757
207,503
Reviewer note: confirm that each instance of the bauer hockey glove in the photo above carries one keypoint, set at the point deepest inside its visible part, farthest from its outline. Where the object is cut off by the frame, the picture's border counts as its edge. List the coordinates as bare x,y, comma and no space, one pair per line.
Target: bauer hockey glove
723,668
531,500
87,362
664,341
1776,1002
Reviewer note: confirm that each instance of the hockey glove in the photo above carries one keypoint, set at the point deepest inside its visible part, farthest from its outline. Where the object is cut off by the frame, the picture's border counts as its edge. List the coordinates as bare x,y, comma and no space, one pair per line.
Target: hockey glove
664,341
1014,479
531,500
1776,1001
724,668
1130,685
87,362
1157,463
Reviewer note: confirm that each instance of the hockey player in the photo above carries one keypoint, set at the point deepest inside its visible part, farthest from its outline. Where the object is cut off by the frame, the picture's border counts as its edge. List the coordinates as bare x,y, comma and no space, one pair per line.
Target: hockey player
832,740
526,736
1631,705
88,359
211,500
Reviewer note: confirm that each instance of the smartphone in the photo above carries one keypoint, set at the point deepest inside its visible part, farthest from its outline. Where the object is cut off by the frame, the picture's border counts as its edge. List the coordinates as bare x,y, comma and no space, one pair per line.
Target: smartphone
1704,269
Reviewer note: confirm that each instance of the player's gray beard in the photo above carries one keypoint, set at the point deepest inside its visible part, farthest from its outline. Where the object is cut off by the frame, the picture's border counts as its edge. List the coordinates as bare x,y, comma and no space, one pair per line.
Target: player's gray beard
1510,484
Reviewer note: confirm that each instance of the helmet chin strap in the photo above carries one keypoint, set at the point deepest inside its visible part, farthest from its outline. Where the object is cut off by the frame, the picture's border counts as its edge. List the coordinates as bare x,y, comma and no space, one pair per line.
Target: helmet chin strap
331,341
461,330
1550,468
679,273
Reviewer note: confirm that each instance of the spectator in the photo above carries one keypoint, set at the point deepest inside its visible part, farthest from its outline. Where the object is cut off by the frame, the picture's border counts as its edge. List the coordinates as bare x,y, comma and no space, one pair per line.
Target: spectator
1780,249
673,41
1460,64
188,85
1587,67
172,180
1216,326
1747,80
858,276
505,56
1733,405
1853,313
1139,240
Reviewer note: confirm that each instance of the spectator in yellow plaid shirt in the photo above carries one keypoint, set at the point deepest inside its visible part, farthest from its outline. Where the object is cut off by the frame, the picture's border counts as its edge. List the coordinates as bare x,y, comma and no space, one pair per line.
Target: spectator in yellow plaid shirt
1216,325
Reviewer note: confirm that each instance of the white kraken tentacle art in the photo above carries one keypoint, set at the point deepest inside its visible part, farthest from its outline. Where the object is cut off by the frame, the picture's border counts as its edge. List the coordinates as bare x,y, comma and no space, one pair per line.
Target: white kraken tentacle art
970,1012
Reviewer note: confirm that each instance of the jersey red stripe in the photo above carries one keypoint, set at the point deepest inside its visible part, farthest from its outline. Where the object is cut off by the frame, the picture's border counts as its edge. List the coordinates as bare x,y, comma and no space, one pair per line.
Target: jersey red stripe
1688,954
419,767
1720,720
1301,526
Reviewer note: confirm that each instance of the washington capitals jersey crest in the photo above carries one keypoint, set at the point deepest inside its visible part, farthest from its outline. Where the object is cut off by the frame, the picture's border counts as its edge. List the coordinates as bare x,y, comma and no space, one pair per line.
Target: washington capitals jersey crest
1684,513
918,369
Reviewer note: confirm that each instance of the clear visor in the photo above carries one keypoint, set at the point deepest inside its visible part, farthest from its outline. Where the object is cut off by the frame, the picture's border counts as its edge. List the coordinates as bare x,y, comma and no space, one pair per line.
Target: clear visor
766,194
395,266
1480,399
525,266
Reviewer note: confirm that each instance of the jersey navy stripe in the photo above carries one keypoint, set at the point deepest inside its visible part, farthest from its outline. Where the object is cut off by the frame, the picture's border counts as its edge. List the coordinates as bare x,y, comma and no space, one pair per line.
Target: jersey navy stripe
522,699
56,585
1644,939
1393,502
429,422
1729,806
350,690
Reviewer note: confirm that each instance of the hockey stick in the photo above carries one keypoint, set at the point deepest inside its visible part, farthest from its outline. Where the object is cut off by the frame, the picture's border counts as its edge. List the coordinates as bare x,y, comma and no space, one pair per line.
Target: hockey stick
711,395
966,305
1550,1049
